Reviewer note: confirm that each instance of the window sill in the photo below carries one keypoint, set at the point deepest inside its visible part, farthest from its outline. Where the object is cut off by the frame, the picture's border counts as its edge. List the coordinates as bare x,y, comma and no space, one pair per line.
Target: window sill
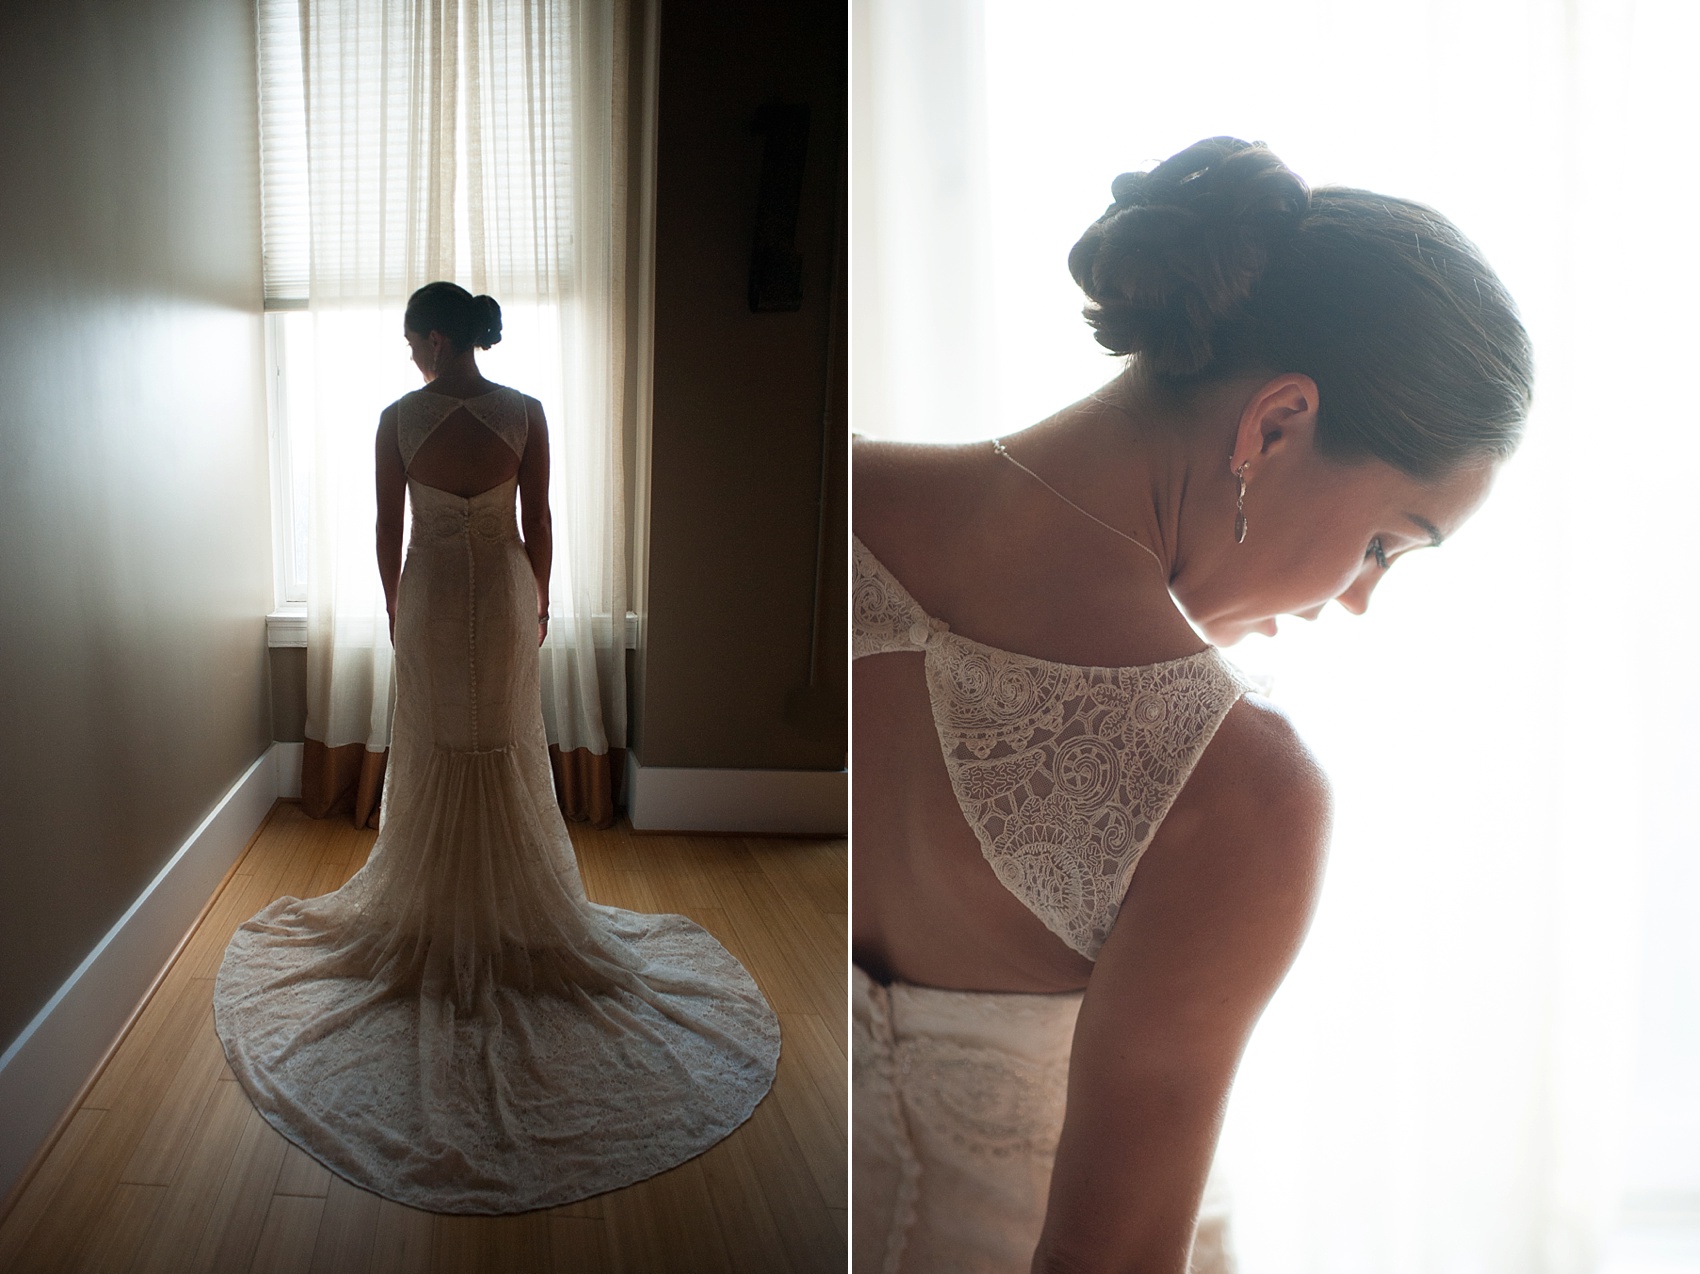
286,627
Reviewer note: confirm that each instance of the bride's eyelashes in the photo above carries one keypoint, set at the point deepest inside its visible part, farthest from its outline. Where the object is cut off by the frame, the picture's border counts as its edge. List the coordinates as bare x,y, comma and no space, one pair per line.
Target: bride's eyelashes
1377,552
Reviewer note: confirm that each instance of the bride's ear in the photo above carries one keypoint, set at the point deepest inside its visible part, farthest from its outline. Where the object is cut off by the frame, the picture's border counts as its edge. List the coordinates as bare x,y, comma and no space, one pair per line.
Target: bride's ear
1279,416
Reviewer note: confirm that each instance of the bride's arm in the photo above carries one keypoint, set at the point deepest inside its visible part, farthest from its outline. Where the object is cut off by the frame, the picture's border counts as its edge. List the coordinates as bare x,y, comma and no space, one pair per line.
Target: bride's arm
392,502
534,507
1213,918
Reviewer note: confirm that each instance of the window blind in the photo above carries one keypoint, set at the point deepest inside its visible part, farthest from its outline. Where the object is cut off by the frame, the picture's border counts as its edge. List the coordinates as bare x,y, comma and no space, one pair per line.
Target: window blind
283,156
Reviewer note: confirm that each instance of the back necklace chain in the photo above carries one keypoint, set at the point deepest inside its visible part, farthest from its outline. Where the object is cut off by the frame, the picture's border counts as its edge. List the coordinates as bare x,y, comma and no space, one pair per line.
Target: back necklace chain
1000,449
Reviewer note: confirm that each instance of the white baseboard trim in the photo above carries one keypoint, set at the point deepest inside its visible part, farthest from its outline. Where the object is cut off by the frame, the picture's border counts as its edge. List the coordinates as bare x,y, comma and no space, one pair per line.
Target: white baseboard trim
789,802
288,761
45,1068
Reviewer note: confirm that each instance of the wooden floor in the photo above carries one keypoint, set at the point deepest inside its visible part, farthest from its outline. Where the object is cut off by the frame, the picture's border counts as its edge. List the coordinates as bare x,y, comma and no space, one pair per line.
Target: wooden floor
165,1166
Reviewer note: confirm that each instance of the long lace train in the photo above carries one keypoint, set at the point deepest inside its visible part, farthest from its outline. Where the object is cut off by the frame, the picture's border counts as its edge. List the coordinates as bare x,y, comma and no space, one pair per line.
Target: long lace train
458,1027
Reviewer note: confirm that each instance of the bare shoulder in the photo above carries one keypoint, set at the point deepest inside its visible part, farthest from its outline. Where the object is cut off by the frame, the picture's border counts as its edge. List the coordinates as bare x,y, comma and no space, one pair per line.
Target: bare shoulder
388,438
1229,884
1258,771
876,462
901,490
536,427
1256,809
876,477
887,474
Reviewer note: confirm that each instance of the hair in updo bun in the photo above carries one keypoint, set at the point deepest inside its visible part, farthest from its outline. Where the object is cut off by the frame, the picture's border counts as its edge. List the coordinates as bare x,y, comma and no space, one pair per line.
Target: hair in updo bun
448,308
1181,248
1220,260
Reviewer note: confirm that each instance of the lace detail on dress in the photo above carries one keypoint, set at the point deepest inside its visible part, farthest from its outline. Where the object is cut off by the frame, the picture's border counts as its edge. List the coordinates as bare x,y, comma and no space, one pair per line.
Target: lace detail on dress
875,1055
886,617
987,1101
501,410
441,515
459,1027
1064,773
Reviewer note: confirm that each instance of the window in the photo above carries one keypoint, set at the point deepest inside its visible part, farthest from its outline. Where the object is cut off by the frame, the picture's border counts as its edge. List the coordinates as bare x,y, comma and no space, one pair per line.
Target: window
485,144
285,244
289,387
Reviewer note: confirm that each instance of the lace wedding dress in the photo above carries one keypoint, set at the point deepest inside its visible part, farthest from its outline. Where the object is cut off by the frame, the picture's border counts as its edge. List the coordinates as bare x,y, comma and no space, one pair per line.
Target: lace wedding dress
458,1028
1064,774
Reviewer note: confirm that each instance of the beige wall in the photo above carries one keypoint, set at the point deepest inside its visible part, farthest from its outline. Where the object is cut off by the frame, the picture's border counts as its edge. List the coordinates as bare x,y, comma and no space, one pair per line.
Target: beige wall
289,693
737,443
134,542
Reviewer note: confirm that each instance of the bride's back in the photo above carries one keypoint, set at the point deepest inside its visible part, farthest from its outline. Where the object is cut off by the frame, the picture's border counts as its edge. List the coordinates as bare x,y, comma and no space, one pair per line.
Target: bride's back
463,455
974,550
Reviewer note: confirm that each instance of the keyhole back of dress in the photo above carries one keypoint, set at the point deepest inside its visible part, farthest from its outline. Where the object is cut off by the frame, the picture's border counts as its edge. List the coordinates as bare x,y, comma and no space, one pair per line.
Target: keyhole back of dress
463,456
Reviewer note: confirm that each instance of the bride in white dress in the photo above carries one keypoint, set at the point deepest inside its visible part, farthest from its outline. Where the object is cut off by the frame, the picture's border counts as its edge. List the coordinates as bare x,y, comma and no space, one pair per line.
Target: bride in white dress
458,1027
1084,854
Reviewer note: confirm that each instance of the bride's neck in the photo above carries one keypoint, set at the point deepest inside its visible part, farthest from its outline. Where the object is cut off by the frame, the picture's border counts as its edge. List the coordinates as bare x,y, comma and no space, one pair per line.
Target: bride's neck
1138,457
456,374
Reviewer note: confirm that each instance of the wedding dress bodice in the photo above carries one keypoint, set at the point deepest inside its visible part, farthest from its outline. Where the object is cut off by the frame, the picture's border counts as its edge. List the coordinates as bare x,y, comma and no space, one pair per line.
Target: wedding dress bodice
1064,773
463,717
442,515
500,410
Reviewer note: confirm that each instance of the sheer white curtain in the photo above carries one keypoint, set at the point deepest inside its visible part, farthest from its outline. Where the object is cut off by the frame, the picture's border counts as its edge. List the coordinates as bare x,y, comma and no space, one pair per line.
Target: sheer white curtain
1484,1059
482,142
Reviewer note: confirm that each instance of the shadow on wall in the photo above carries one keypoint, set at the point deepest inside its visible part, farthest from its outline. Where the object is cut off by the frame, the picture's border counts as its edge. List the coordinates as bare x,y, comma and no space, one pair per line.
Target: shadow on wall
134,534
744,658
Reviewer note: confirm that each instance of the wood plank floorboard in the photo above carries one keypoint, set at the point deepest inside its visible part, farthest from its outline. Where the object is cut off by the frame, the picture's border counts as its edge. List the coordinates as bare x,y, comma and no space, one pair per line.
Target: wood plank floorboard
239,1213
21,1222
347,1228
402,1239
176,1241
302,1174
166,1167
290,1235
116,1234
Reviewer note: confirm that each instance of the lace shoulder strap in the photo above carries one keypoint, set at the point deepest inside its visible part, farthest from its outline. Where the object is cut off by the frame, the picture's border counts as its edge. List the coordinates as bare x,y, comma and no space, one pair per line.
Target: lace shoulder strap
503,413
419,414
883,615
1065,773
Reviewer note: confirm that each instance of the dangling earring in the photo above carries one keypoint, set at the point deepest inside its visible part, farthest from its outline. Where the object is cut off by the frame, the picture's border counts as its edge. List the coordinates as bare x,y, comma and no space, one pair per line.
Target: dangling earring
1239,505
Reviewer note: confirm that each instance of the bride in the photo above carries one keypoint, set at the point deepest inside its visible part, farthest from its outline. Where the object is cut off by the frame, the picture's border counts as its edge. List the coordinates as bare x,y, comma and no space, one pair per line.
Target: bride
458,1028
1318,383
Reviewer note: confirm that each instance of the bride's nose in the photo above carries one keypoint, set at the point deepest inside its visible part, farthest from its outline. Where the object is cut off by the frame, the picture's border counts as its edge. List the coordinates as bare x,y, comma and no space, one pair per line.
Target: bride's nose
1356,598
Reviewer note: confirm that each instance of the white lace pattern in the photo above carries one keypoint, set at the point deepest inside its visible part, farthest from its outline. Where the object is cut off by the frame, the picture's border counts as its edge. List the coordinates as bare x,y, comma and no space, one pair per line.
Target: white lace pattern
500,410
1064,773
